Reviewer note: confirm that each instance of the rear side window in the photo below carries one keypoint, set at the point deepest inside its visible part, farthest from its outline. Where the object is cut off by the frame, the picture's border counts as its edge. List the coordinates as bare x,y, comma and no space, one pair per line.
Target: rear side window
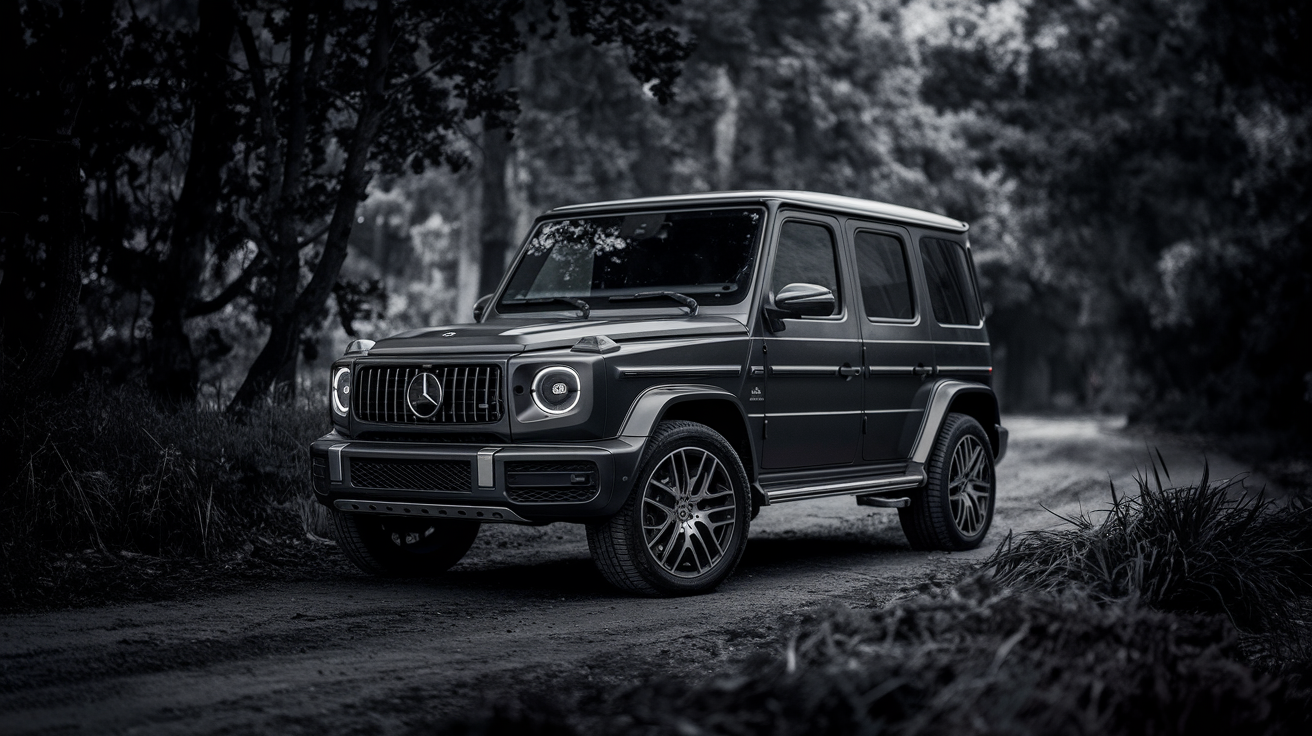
881,264
951,290
806,255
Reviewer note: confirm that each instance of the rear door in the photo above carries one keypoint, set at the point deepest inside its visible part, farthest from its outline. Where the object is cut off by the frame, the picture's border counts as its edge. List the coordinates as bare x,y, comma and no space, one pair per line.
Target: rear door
961,345
812,393
896,337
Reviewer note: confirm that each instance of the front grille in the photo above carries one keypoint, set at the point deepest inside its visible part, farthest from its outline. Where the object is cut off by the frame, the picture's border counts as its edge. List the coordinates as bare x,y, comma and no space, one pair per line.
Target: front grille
557,466
471,394
551,482
411,475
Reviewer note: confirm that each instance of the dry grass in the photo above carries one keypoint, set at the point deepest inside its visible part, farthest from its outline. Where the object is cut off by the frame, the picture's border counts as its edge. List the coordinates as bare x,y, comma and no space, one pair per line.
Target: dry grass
1202,548
1184,610
980,659
106,472
973,659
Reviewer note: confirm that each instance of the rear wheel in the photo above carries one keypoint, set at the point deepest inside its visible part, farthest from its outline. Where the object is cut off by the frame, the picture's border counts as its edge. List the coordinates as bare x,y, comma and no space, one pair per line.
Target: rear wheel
955,509
683,528
397,546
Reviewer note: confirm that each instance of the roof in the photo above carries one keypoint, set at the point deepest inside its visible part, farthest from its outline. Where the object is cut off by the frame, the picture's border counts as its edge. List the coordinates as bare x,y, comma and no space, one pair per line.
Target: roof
830,202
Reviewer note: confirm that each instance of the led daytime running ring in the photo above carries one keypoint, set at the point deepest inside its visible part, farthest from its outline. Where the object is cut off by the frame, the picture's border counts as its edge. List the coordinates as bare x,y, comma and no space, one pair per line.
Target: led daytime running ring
537,385
341,408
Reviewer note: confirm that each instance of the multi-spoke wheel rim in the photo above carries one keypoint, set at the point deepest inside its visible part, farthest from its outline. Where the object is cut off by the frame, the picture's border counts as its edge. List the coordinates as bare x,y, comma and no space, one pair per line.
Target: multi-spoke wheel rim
688,512
970,485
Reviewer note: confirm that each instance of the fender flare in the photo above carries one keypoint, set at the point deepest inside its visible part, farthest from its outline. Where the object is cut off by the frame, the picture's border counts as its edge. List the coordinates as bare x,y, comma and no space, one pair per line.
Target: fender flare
646,411
936,413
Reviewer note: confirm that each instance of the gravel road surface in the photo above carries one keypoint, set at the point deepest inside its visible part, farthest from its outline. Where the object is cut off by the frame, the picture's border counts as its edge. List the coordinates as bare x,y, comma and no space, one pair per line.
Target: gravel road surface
523,612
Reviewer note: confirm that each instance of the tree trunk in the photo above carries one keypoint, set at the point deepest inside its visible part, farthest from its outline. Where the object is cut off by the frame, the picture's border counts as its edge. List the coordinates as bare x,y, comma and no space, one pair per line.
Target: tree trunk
496,220
726,129
63,268
174,370
290,320
46,122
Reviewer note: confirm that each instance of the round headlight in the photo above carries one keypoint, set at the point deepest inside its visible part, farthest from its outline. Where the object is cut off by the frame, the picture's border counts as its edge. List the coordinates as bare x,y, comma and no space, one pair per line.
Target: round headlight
341,390
556,389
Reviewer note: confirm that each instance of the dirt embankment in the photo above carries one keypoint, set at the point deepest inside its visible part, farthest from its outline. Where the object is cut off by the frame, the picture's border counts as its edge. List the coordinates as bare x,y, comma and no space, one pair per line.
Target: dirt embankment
525,611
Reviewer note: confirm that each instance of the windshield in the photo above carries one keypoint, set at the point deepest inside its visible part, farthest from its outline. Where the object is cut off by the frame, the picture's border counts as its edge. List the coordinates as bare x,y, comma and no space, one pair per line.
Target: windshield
706,255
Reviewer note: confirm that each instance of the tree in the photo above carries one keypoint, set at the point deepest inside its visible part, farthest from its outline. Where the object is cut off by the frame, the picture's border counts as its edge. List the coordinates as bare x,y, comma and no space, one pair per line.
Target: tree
380,88
45,83
1141,137
246,131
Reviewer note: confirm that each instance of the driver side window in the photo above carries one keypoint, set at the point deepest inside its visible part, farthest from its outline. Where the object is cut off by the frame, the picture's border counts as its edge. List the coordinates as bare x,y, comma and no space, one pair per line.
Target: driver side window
806,254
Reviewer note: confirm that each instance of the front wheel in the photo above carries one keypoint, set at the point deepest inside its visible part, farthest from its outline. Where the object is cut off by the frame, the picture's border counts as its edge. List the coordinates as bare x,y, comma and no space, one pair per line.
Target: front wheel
955,509
683,528
398,546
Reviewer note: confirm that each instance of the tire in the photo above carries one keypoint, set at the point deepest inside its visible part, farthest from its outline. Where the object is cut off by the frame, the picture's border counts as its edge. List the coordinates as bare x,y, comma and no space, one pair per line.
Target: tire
657,543
400,547
955,509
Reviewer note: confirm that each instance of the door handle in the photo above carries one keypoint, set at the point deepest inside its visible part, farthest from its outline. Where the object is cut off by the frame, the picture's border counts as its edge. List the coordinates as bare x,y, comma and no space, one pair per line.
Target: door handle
921,370
848,370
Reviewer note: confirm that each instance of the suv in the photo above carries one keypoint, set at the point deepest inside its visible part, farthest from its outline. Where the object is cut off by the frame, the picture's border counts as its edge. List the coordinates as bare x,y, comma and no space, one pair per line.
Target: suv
660,369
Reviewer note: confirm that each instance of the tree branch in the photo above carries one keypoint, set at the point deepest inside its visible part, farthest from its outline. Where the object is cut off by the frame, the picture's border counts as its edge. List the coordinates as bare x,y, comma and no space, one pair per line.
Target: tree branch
354,175
229,292
396,88
308,240
264,101
298,118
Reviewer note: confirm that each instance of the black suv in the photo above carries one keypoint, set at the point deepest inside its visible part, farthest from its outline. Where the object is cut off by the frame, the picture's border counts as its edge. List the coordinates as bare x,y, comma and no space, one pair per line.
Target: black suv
660,369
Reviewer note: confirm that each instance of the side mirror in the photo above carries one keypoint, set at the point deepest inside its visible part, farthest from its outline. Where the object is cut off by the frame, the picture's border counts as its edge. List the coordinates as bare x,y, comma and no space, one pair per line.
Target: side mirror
806,300
799,300
480,306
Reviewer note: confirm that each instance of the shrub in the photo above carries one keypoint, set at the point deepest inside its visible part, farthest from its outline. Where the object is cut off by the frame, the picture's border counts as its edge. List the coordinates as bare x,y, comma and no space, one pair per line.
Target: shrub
109,470
1207,547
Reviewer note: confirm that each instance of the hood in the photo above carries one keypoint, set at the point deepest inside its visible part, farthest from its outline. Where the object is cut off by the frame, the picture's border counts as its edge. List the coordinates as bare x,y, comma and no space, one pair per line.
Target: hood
504,336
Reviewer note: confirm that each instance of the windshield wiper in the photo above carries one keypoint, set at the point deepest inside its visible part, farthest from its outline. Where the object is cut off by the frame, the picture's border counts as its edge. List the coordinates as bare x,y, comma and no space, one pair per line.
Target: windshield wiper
578,304
683,299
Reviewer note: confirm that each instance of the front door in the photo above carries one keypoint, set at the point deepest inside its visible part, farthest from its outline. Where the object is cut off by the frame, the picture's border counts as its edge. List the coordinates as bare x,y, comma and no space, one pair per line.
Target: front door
899,354
813,393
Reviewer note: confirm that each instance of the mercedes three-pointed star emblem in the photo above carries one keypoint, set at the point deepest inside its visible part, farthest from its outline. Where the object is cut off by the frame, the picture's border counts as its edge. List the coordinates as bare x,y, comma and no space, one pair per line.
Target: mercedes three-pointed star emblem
424,395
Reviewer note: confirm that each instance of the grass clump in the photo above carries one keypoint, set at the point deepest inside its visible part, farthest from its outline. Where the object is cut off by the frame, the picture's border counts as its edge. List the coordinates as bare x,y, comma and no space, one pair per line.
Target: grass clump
981,659
1202,548
104,476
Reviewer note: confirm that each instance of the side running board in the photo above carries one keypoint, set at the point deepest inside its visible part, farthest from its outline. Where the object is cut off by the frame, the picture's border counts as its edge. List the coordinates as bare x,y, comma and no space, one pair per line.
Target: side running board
849,488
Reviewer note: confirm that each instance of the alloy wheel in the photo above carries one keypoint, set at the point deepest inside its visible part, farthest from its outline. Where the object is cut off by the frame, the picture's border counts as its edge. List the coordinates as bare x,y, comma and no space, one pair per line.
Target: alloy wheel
688,514
969,486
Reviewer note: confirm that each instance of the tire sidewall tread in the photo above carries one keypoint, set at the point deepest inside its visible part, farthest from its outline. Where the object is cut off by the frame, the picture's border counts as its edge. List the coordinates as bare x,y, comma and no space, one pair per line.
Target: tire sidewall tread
927,522
617,545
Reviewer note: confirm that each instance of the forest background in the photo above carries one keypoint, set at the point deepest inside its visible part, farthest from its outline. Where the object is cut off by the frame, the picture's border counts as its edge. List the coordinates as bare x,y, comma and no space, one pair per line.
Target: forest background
211,198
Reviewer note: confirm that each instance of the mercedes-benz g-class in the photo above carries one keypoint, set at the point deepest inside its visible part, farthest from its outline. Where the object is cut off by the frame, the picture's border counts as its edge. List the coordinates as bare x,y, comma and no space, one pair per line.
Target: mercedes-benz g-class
661,369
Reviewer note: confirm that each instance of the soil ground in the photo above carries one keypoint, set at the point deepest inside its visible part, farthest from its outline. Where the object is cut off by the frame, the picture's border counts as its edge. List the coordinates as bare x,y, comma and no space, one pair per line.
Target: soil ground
524,612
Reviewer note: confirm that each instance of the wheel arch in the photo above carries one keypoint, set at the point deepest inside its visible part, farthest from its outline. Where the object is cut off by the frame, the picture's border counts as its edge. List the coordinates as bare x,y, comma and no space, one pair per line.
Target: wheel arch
962,397
708,405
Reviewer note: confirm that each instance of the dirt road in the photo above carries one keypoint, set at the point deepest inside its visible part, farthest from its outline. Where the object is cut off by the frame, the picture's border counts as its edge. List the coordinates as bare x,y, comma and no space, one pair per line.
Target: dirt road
524,611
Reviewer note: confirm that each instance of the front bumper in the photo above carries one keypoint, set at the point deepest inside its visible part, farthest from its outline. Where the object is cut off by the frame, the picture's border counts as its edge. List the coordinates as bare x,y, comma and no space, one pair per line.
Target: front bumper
1003,436
484,482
